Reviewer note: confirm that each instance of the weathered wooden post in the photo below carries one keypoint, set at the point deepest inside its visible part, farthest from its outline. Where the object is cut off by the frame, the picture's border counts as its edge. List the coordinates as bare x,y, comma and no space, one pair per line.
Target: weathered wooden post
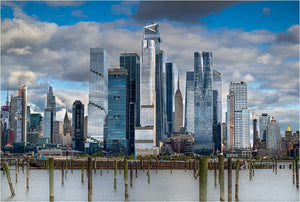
215,171
156,165
297,174
107,164
229,179
237,168
126,177
276,165
90,188
62,172
82,172
195,167
253,167
142,164
136,169
51,178
250,169
120,166
161,164
273,164
101,168
171,162
148,172
293,172
131,166
5,168
185,165
203,166
95,165
66,170
190,164
115,174
71,165
221,177
27,175
16,170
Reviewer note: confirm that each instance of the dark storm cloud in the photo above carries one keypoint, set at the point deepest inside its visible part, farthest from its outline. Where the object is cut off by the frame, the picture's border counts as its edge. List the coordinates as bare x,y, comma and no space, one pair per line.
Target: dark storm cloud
179,11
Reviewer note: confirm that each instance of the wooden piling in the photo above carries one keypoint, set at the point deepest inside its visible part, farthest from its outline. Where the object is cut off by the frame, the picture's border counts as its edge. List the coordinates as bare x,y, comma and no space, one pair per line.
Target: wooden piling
136,169
82,172
100,168
229,179
62,172
115,174
131,167
90,188
203,167
297,174
51,179
120,166
16,170
148,172
250,169
142,164
276,165
107,165
237,168
171,162
27,175
66,170
95,166
126,177
221,177
293,172
215,172
156,165
184,165
5,168
273,166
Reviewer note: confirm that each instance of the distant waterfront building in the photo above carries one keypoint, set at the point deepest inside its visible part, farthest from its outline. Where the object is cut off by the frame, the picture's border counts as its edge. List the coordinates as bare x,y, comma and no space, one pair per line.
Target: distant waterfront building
118,108
51,103
241,115
273,138
21,133
203,103
67,140
78,126
131,62
189,103
98,85
178,115
179,143
48,124
171,72
58,132
264,119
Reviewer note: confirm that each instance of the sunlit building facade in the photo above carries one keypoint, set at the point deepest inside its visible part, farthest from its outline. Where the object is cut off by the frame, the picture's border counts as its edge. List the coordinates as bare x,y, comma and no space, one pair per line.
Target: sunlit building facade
21,130
189,103
264,119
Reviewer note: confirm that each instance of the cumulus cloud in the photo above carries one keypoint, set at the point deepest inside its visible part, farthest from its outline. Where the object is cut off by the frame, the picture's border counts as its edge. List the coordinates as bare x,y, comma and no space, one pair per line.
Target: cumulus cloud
20,51
64,3
78,13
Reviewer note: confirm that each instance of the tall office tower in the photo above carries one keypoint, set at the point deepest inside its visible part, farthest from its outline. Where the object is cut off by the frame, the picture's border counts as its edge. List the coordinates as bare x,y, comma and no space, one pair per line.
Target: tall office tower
48,124
13,118
118,108
273,137
35,121
98,84
189,103
178,115
230,122
85,126
67,125
131,62
58,132
51,102
171,72
78,126
217,111
241,115
21,133
264,119
203,103
153,93
5,125
255,134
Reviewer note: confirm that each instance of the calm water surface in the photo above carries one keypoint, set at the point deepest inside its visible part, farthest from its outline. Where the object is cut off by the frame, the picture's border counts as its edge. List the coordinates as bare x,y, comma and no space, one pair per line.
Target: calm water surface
180,186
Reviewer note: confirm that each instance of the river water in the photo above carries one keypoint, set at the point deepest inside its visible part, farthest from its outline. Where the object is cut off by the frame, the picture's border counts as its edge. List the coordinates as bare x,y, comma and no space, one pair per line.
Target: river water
178,186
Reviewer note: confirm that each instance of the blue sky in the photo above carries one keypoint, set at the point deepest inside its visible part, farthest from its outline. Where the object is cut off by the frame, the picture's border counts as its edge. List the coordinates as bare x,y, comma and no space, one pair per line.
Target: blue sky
257,42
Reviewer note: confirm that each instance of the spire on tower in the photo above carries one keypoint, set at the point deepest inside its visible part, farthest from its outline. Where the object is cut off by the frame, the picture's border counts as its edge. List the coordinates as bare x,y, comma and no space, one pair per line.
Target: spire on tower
178,82
288,128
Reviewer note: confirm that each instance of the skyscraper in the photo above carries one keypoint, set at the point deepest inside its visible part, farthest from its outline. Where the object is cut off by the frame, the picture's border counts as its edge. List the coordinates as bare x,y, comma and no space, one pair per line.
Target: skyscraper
255,134
171,72
78,126
98,83
178,115
131,62
189,103
48,124
230,121
241,115
217,111
118,108
264,119
51,102
153,91
21,133
273,137
203,103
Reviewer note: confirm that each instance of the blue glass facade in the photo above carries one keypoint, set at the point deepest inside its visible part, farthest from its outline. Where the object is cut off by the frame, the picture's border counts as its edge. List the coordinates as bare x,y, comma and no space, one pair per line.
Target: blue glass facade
97,107
131,62
118,108
203,103
189,103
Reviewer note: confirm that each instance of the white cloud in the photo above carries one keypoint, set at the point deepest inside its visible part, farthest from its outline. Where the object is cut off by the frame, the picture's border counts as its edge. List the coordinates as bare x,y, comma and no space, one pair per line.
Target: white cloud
78,13
20,51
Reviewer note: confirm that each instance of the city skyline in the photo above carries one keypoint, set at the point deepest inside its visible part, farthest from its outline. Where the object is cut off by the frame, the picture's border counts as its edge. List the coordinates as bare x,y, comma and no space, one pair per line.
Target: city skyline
264,53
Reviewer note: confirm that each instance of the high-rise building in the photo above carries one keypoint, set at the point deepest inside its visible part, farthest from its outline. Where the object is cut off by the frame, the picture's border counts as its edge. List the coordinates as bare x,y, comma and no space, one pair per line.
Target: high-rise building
13,118
48,124
131,62
153,88
264,119
171,72
67,140
255,134
78,126
51,103
35,120
98,84
58,132
189,103
241,115
21,133
5,125
230,122
273,138
118,108
217,111
178,115
203,103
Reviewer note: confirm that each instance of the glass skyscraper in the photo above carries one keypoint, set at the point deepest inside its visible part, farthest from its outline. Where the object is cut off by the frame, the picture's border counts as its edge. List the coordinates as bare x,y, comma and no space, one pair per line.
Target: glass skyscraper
21,133
51,102
97,107
264,119
131,62
273,137
203,103
189,103
48,124
118,108
217,110
78,126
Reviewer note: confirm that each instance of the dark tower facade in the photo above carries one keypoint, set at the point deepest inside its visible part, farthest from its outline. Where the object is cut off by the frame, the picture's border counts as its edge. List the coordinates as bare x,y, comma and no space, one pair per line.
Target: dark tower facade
78,126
